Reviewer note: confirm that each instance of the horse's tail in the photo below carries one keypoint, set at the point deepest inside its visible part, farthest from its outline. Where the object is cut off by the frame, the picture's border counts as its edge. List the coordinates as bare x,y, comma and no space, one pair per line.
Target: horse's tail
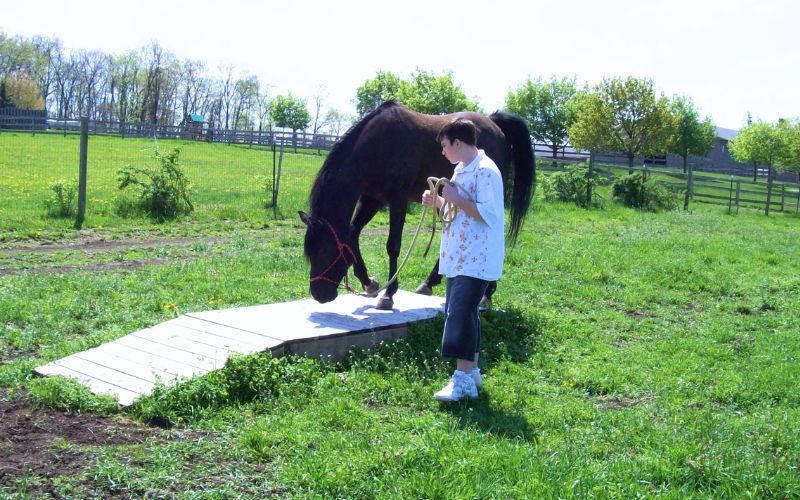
519,140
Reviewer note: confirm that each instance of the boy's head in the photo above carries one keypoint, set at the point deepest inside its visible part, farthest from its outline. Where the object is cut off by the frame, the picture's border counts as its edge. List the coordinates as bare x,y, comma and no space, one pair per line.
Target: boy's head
461,129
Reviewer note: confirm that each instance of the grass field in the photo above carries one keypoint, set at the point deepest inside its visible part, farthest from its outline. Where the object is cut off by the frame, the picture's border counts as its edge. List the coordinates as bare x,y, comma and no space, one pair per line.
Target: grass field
228,181
629,354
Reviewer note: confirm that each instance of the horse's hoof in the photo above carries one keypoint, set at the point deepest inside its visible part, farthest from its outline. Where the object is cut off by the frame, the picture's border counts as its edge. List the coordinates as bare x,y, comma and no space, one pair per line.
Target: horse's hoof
371,290
385,303
424,289
485,304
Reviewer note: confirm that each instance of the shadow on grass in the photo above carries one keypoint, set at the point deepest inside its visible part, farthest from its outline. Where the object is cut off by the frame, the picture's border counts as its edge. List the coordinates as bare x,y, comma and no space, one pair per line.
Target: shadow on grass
491,419
507,334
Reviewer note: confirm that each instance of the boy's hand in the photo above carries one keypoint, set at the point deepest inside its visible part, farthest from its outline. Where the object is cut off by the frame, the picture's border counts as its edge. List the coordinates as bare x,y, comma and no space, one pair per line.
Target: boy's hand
428,199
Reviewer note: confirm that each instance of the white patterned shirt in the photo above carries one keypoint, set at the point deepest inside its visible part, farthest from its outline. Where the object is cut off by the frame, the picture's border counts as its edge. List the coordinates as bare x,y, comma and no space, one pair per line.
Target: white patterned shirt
470,247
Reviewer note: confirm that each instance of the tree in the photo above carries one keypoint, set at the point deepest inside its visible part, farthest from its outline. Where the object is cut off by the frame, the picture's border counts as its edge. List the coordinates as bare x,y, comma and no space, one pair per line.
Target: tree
424,92
691,136
319,98
23,93
336,122
792,162
765,144
386,85
5,102
548,107
624,116
434,95
290,112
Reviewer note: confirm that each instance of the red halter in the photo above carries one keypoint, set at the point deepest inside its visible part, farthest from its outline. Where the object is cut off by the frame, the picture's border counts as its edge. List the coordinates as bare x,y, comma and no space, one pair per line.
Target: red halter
341,247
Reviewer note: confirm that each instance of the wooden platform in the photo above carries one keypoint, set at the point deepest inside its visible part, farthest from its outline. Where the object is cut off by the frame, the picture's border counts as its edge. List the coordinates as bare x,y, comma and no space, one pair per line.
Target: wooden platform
197,343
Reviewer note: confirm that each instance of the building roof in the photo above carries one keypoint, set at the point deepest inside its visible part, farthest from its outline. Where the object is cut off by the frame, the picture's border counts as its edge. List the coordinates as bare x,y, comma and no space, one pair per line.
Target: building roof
726,133
197,118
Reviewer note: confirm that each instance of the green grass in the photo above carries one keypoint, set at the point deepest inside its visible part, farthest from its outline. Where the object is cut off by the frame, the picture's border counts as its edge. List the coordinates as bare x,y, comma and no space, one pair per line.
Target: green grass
227,180
631,354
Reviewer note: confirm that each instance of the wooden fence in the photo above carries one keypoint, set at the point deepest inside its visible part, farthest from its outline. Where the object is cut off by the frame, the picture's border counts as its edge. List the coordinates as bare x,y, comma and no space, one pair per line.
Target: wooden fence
185,132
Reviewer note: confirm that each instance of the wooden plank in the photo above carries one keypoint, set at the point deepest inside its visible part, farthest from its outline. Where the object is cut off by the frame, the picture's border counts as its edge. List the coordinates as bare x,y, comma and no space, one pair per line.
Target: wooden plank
156,349
107,375
171,339
254,339
170,367
124,396
172,332
126,366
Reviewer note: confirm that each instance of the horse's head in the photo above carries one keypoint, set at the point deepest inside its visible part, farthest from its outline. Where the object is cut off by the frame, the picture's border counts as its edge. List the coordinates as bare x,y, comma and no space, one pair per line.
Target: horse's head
329,254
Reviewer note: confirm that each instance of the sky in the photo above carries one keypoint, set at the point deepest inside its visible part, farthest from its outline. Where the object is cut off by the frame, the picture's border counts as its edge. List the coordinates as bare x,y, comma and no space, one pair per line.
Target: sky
729,58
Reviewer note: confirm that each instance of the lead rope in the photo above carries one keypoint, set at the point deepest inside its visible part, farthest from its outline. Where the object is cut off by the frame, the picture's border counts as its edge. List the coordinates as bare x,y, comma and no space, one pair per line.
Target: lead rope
446,213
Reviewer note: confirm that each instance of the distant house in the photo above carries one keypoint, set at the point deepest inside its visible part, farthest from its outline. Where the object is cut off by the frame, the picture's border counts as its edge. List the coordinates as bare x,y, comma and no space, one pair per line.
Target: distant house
193,126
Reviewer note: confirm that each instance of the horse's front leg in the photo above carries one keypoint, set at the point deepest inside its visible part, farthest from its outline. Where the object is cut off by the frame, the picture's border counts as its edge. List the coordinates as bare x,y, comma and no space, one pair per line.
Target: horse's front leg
365,211
397,218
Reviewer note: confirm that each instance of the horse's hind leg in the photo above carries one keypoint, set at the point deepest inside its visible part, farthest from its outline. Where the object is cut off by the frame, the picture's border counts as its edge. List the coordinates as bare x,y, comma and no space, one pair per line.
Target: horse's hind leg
365,211
433,279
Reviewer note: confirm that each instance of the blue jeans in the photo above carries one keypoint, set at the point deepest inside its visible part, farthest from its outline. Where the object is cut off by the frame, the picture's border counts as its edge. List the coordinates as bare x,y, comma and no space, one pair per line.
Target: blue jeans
462,323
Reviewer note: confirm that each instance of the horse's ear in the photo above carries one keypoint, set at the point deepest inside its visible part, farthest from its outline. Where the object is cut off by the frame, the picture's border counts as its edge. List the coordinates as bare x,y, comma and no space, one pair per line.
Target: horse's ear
308,220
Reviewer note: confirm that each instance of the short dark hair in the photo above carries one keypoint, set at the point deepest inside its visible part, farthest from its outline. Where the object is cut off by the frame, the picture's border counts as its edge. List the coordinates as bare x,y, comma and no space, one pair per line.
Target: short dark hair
459,128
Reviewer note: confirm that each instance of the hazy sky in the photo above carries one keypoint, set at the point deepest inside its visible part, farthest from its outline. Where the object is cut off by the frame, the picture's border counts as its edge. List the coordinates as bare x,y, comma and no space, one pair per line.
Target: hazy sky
729,57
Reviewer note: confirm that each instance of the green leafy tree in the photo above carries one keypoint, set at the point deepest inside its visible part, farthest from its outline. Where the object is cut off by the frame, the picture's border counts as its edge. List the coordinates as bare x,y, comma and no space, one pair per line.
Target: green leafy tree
428,93
5,102
548,107
386,85
624,116
290,112
691,136
791,162
424,92
765,144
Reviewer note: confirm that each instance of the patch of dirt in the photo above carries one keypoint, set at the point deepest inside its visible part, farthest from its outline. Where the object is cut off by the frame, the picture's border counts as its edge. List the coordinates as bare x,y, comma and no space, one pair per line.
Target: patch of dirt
105,245
611,402
27,436
127,265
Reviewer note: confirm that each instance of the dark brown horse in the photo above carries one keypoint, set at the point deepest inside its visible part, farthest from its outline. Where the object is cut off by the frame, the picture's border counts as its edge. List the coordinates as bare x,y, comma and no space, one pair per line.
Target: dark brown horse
385,159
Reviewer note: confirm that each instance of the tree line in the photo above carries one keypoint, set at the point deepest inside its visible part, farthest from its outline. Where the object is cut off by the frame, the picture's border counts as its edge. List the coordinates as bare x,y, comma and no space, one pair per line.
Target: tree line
148,85
151,85
622,115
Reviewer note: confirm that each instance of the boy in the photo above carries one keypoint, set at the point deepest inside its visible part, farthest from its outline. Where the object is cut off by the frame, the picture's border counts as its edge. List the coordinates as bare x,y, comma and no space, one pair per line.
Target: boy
471,252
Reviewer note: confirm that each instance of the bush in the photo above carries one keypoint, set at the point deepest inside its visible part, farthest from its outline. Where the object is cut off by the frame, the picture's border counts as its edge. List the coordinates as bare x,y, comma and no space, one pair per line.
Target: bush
570,185
62,202
634,190
163,191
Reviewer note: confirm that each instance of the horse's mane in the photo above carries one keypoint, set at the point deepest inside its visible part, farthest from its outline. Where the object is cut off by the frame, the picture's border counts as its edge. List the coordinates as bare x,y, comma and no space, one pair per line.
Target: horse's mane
342,149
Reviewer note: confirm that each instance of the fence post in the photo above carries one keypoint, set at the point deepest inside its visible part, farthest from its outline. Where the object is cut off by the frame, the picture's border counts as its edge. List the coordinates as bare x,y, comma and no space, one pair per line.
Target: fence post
783,198
277,184
689,188
730,196
738,190
589,173
82,172
769,190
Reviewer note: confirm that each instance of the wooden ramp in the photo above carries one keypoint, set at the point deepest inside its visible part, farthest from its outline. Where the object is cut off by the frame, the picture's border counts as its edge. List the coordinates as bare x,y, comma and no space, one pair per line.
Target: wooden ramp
197,343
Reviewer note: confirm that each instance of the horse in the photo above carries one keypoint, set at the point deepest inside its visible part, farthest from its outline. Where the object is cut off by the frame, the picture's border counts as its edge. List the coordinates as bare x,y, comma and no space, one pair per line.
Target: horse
386,159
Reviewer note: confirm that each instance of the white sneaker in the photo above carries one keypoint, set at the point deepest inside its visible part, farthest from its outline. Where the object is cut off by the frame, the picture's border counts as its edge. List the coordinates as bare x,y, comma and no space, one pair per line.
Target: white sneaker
477,378
460,386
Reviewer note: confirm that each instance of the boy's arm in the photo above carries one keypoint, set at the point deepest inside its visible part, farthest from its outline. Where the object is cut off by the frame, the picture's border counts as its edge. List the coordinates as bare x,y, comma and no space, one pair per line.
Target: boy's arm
451,194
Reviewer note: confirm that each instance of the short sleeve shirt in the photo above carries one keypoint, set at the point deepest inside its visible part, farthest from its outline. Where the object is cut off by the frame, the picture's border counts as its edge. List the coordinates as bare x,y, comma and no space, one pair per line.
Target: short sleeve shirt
470,247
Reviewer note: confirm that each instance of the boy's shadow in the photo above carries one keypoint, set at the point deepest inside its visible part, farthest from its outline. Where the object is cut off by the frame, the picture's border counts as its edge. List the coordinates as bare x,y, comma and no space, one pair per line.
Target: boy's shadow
491,419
